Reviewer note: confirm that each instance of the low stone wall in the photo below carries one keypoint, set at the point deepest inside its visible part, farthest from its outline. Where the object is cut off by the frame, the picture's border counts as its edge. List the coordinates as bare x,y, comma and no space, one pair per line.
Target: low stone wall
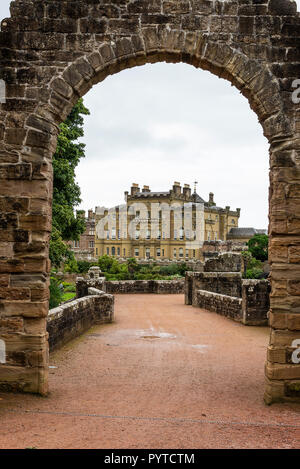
228,306
83,285
224,283
222,292
256,302
225,262
70,320
145,286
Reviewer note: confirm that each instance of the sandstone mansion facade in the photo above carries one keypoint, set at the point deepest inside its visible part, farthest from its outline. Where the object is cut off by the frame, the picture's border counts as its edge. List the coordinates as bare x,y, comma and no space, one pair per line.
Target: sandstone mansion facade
162,225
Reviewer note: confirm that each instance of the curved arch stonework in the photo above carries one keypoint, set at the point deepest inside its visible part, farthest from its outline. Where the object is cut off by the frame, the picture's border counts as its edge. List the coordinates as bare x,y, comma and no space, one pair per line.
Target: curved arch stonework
53,52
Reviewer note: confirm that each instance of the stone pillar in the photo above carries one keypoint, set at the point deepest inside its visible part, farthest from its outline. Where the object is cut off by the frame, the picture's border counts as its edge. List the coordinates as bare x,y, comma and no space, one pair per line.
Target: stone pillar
282,371
25,225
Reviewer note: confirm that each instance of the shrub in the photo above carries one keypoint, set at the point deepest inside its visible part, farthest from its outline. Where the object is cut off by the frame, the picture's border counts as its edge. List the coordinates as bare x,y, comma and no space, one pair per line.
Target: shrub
258,246
254,273
56,293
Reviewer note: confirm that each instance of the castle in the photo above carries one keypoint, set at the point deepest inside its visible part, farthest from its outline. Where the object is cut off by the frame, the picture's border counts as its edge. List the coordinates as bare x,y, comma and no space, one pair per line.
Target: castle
162,225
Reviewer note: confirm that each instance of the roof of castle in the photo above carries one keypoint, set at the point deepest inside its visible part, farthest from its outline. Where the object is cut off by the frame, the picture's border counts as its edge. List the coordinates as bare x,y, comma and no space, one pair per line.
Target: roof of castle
244,232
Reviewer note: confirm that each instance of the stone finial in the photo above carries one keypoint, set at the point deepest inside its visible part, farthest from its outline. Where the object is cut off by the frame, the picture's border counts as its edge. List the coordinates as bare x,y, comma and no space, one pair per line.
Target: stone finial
94,272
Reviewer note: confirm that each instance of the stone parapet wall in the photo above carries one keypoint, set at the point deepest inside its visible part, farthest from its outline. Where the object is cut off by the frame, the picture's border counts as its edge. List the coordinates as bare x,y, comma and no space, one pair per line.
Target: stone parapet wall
225,262
224,283
253,295
146,286
228,306
70,320
212,249
83,285
256,302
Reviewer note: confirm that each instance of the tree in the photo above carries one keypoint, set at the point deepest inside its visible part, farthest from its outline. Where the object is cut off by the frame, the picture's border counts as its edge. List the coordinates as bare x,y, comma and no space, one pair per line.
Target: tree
258,246
66,192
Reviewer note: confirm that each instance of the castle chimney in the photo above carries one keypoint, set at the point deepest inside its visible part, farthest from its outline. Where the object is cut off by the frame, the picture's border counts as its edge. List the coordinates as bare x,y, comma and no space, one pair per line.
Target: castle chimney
126,195
187,192
146,189
90,214
238,212
211,199
177,188
134,189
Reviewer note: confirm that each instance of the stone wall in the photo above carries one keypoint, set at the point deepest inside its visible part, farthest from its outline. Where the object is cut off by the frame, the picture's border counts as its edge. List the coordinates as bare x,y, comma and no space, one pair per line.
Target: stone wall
83,285
131,286
70,320
256,302
214,248
225,262
225,292
228,306
224,283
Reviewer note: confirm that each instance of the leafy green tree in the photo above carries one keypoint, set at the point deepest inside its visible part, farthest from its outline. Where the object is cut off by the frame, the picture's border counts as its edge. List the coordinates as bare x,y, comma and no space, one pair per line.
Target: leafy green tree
66,192
132,266
258,246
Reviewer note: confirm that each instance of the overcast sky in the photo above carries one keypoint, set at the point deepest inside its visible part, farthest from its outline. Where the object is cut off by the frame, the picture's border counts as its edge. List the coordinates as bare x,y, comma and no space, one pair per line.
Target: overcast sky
162,123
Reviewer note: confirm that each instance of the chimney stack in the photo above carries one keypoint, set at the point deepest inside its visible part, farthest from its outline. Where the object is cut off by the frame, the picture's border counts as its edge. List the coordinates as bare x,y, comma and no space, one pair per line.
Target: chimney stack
177,188
134,189
187,192
90,214
211,199
146,189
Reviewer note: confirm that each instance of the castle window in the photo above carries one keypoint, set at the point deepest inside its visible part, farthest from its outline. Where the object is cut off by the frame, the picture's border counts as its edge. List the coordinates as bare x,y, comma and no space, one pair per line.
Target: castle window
91,244
76,244
119,251
113,251
194,253
233,221
163,253
181,233
96,251
174,254
107,251
147,253
175,234
186,253
158,252
136,252
180,252
124,252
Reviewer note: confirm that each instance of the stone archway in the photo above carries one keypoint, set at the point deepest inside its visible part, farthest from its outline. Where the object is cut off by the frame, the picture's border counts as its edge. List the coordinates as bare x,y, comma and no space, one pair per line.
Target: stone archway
53,52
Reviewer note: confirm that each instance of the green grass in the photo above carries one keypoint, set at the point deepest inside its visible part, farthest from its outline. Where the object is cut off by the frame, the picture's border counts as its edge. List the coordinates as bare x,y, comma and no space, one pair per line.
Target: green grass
68,296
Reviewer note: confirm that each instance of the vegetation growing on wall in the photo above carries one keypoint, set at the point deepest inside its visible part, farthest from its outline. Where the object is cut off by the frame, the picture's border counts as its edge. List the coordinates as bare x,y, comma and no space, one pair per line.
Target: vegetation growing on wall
66,192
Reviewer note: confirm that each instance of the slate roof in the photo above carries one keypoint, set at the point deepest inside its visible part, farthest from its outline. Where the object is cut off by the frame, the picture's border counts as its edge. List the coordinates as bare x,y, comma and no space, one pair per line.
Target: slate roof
245,232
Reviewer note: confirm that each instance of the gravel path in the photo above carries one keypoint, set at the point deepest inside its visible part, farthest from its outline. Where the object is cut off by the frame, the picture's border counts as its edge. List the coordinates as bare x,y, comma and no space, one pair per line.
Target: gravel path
164,375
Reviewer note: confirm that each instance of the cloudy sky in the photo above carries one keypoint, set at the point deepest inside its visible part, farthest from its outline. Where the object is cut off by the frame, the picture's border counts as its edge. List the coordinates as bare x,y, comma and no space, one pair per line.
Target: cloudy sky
162,123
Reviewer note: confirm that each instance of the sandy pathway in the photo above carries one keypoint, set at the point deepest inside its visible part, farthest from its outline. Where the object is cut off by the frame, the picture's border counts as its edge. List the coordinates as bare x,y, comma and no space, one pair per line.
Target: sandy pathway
164,375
